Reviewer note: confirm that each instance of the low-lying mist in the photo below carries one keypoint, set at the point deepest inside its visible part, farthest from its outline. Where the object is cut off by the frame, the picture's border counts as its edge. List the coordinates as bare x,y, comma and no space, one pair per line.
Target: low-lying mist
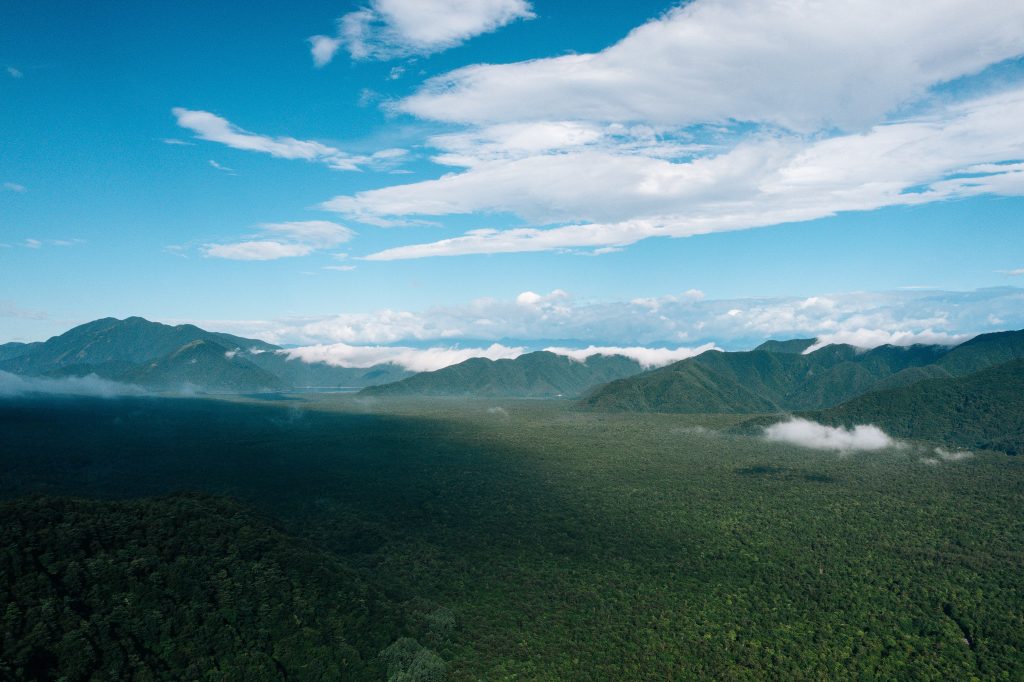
13,386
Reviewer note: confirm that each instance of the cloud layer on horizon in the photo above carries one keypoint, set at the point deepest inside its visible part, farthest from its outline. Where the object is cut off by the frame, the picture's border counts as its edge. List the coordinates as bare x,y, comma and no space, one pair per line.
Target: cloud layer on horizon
686,319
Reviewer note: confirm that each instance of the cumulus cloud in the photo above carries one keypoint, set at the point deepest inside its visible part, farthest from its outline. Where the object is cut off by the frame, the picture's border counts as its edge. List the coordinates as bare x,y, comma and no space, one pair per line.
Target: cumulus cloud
286,240
323,48
15,187
810,434
647,357
13,386
386,29
213,128
685,319
413,359
614,197
801,64
14,73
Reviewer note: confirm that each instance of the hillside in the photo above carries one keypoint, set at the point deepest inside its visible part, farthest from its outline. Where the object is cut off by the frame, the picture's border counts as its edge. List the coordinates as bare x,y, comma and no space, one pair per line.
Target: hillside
534,375
774,377
205,365
165,357
980,410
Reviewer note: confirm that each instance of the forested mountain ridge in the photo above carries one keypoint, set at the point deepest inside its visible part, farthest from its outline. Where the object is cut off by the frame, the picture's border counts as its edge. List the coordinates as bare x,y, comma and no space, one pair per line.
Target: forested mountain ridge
541,374
981,410
164,357
776,378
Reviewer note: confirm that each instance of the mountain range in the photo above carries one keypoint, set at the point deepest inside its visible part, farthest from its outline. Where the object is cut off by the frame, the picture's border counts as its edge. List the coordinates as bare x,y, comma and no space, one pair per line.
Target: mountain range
783,377
182,357
541,374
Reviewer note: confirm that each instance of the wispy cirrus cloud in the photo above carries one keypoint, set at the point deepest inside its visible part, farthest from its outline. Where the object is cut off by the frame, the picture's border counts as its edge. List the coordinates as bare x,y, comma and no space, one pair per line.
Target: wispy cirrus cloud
15,187
225,169
14,72
283,240
386,29
213,128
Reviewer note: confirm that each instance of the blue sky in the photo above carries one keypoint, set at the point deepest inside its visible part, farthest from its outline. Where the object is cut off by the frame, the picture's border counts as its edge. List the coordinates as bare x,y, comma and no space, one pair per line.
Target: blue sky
351,174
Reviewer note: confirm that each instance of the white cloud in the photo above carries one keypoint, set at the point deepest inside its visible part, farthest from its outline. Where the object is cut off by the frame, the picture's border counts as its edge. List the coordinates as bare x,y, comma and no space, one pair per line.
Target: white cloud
33,243
953,455
317,233
647,357
286,240
323,48
387,29
799,64
13,385
1014,273
670,321
229,171
413,359
617,199
872,338
810,434
177,142
15,187
340,268
535,301
14,73
213,128
256,250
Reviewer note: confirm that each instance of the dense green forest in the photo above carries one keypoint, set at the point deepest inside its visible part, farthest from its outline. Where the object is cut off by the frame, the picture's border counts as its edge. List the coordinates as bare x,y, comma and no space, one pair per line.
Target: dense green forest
780,376
534,375
980,410
493,540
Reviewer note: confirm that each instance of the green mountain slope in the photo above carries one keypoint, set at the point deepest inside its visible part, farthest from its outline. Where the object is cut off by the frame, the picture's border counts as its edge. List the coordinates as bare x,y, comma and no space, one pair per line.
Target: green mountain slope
164,357
787,346
118,343
980,410
775,378
533,375
14,349
203,365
